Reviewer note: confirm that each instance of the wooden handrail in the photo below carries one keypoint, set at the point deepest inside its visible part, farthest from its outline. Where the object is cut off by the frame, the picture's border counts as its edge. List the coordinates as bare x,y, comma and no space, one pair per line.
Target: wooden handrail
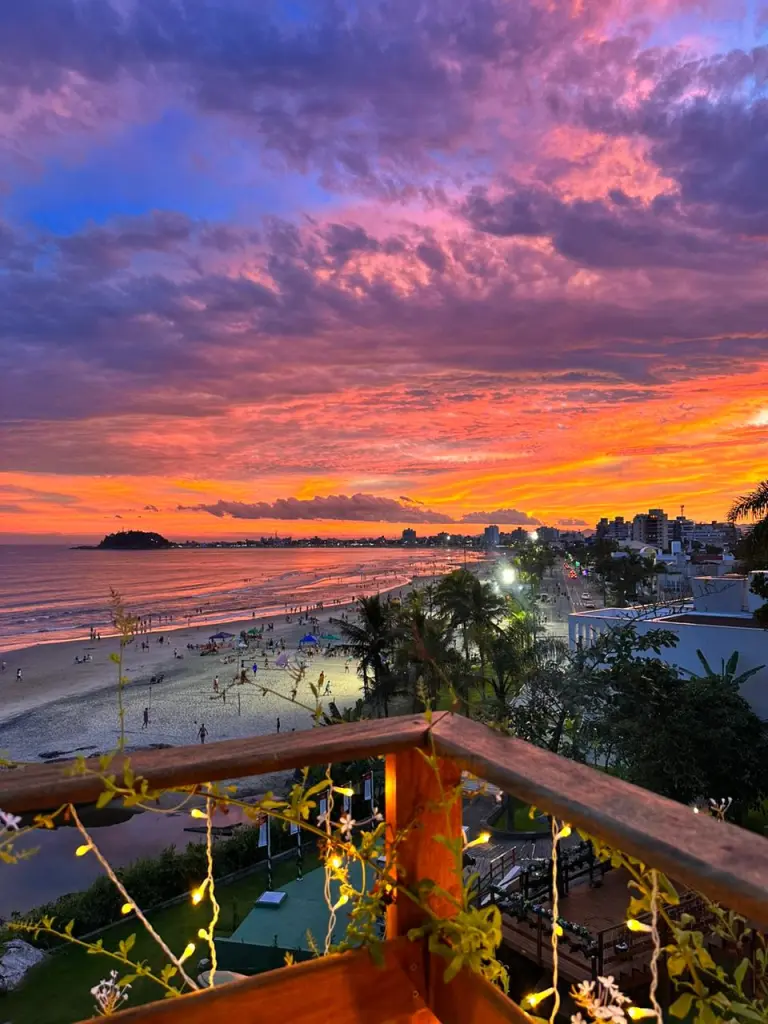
34,787
726,863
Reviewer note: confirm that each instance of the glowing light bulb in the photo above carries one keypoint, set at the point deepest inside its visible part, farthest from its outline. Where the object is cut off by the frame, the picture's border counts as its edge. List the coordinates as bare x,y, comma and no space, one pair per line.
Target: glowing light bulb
537,997
638,926
197,813
126,908
345,790
190,949
336,862
564,832
639,1012
82,850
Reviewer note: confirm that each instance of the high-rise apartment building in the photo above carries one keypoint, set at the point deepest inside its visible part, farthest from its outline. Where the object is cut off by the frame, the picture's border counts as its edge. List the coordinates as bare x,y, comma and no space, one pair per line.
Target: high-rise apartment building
652,528
491,536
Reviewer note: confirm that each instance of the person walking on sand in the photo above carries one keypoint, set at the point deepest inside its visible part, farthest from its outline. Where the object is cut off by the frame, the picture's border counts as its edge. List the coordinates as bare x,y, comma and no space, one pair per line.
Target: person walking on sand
4,666
18,675
202,732
278,726
146,718
215,684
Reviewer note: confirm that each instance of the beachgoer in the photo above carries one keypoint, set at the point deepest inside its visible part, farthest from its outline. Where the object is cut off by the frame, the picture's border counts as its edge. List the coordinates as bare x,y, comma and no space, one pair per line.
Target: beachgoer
278,725
146,718
18,675
202,732
224,696
215,684
4,666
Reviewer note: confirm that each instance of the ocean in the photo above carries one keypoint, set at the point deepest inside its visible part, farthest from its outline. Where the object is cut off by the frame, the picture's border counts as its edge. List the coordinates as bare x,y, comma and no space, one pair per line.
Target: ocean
50,593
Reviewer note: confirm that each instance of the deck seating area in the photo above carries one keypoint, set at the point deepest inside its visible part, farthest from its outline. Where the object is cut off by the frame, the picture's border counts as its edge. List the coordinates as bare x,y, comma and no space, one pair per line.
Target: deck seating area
720,860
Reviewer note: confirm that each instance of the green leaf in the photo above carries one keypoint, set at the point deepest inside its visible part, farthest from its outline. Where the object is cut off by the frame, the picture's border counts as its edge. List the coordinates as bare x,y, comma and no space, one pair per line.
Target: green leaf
682,1005
740,972
705,959
453,968
115,657
706,1015
748,1012
676,964
104,799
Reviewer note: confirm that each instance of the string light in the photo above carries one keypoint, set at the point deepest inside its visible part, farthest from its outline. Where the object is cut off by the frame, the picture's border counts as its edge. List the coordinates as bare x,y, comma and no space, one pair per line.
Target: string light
126,908
638,926
198,893
202,933
344,790
483,838
336,862
538,997
640,1012
340,903
82,850
190,949
564,832
197,813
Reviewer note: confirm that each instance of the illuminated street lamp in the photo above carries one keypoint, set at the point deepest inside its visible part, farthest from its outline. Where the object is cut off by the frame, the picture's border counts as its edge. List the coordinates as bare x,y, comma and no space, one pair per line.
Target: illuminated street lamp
533,535
508,575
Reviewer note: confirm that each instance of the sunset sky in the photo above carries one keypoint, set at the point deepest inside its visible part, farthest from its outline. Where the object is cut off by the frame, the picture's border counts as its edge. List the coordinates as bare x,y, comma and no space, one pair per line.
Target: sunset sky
341,267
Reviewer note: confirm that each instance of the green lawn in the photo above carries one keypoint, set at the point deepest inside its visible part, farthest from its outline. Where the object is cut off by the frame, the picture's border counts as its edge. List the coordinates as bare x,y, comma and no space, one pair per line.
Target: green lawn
58,991
516,818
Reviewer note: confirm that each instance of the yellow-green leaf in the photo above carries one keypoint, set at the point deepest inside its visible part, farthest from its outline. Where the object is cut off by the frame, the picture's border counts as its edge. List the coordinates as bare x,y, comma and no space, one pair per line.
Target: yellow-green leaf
682,1005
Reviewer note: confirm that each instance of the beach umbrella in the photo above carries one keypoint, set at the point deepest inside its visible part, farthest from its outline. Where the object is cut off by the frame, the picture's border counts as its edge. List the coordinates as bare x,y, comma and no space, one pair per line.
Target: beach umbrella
308,638
221,636
330,636
253,632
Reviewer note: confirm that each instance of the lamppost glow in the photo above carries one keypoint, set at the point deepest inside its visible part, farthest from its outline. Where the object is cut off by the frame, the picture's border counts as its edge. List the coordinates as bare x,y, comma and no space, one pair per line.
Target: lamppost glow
533,535
508,575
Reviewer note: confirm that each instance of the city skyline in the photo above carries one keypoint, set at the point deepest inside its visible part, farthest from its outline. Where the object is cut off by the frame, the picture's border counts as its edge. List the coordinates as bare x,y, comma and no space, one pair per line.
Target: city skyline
343,268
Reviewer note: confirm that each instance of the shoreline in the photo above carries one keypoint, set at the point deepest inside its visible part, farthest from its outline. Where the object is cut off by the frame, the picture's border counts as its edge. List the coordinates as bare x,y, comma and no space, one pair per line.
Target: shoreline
61,707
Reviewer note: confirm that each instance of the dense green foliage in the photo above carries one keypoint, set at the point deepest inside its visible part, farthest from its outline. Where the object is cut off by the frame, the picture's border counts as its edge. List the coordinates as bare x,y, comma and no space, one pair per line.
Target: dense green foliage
616,704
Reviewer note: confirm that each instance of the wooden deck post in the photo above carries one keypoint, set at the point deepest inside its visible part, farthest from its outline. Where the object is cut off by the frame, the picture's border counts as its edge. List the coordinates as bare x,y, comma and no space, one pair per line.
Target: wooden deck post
413,789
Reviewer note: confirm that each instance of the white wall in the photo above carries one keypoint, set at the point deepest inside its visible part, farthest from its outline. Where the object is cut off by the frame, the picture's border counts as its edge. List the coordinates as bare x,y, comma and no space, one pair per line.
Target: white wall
716,643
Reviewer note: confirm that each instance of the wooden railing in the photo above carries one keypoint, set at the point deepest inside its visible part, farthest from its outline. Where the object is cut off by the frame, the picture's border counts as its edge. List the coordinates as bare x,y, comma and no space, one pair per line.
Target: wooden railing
722,861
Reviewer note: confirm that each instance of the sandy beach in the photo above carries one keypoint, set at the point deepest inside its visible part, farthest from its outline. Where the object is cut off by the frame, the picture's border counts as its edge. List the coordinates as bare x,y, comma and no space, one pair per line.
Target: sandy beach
60,707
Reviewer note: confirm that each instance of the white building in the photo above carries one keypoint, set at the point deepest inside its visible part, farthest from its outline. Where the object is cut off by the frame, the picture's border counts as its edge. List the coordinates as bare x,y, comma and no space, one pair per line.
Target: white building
718,621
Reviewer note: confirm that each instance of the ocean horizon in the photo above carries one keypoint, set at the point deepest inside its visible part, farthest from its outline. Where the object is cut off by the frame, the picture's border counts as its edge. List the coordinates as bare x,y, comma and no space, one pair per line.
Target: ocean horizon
50,594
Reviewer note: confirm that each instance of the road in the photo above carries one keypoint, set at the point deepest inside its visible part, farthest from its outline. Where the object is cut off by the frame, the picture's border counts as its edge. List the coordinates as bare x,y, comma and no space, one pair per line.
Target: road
564,596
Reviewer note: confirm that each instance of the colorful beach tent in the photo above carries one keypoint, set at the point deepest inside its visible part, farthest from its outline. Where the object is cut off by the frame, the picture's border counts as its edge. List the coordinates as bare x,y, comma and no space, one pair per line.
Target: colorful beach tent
308,638
221,636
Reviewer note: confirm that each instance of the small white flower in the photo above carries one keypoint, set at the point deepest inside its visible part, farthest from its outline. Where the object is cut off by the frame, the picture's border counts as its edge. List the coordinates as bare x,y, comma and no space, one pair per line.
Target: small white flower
10,821
109,995
377,815
347,823
322,818
576,1018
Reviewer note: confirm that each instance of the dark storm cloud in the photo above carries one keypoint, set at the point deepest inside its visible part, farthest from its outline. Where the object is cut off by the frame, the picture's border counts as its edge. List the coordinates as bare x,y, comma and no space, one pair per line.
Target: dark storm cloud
502,517
360,508
414,70
616,233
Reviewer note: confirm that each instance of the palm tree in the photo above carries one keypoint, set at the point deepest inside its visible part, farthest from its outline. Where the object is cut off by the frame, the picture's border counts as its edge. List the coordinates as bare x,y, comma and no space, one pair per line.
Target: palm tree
424,653
371,638
470,604
754,504
752,550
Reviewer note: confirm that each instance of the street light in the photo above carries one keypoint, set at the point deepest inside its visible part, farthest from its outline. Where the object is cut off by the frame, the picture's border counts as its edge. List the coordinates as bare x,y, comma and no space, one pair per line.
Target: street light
508,576
533,535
